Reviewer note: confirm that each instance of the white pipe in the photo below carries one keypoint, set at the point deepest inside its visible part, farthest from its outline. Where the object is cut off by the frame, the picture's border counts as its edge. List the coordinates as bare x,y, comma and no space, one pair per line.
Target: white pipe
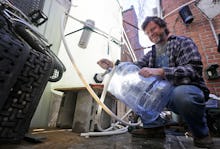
90,90
213,31
104,92
127,43
114,132
123,117
211,25
178,8
213,96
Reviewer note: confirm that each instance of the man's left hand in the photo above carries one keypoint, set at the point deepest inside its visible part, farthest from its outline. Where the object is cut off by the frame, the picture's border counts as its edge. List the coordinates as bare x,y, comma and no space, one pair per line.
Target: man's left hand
147,72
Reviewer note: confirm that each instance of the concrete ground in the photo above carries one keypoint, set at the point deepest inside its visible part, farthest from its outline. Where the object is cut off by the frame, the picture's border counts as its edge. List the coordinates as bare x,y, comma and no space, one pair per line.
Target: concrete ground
66,139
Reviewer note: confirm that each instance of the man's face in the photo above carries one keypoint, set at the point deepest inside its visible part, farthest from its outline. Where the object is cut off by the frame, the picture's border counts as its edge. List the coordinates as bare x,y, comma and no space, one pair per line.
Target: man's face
155,33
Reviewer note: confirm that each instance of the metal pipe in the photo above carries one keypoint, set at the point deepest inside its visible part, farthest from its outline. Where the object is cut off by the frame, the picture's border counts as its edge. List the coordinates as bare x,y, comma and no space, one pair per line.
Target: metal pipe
178,8
213,31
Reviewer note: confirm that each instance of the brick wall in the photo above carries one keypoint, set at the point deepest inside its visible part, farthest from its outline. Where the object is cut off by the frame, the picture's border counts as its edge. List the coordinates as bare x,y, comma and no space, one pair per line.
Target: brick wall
200,31
130,24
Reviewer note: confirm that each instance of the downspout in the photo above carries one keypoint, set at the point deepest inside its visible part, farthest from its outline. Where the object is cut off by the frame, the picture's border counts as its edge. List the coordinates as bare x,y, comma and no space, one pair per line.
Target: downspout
213,30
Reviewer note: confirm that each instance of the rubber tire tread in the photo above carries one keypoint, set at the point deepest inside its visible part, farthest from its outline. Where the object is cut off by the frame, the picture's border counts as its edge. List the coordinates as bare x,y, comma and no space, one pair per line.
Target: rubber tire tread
18,110
13,54
39,45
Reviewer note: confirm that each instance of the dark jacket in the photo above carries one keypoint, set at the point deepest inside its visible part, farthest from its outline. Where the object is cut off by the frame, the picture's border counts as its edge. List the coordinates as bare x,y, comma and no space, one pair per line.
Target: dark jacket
185,65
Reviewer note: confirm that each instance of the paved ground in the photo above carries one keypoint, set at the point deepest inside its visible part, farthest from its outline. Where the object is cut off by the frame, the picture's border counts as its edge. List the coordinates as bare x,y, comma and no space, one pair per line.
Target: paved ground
66,139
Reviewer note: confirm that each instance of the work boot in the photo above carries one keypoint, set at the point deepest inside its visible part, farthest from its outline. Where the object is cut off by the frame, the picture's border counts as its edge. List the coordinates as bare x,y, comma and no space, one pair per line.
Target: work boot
157,132
205,142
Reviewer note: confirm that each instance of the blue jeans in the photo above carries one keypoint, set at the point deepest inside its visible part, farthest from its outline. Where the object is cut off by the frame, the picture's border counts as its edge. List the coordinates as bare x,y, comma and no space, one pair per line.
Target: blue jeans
188,101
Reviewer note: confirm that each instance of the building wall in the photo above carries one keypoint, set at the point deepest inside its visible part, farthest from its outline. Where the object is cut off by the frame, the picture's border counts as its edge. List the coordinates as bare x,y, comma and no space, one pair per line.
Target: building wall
130,24
200,31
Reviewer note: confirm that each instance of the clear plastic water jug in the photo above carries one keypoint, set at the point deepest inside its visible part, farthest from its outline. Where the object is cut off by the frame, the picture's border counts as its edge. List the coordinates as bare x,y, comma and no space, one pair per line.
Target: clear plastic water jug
147,97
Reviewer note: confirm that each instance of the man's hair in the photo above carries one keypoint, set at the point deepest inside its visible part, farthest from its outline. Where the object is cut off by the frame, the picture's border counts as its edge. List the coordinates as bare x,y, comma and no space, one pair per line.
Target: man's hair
156,20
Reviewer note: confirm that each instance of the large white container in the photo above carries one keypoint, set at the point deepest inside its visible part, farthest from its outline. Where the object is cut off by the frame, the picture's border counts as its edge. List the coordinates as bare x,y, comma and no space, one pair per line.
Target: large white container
104,15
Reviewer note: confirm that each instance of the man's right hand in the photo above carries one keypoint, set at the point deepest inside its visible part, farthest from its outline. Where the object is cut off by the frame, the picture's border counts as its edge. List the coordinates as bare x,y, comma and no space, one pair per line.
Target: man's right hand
105,63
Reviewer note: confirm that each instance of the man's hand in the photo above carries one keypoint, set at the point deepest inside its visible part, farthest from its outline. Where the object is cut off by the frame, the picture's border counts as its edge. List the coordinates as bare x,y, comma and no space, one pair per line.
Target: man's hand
105,63
147,72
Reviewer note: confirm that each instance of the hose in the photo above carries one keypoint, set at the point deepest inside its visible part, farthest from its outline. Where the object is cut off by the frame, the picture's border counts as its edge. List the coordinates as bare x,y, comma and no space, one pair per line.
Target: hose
113,132
90,90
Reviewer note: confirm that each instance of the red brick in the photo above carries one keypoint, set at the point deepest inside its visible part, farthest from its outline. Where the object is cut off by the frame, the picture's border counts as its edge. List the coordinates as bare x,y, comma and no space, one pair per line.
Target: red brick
200,31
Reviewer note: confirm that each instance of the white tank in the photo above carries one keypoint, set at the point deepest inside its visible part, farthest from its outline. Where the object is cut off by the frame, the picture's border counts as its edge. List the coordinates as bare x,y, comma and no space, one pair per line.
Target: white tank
88,46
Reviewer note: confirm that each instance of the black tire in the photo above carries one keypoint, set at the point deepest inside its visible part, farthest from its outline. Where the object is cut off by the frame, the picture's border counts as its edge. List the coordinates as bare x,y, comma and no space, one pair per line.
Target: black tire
24,73
13,54
38,44
24,96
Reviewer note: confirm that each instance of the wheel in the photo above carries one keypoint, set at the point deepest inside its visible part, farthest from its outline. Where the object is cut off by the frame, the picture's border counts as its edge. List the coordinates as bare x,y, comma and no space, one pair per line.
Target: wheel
28,36
13,54
23,98
24,73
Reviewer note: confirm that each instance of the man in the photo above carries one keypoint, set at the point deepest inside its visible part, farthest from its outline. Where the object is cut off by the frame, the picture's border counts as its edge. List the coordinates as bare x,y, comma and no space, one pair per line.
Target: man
176,59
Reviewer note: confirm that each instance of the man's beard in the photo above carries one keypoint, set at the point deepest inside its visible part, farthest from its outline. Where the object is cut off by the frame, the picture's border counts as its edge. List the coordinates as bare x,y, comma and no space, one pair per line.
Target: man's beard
161,38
